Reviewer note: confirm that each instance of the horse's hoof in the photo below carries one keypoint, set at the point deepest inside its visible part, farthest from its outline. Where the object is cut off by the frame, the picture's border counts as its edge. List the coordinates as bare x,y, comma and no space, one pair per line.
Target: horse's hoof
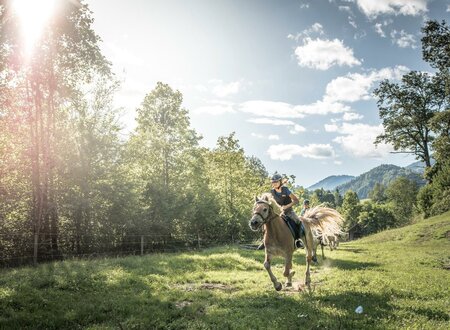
278,286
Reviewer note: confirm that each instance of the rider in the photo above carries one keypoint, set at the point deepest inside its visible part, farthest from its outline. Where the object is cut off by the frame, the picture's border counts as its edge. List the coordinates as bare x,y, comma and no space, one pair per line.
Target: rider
286,199
305,207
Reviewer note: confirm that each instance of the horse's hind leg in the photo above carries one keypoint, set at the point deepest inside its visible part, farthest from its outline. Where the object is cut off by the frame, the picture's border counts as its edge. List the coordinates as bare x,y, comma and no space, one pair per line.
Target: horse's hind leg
274,280
288,272
309,254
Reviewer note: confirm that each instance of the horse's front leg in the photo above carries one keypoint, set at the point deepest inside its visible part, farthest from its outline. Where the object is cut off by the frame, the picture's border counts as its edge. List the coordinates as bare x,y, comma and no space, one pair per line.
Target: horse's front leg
288,272
274,280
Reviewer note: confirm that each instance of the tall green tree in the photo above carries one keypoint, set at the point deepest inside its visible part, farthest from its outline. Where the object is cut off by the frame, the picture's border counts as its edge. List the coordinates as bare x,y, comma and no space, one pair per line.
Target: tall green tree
350,209
162,150
401,195
406,110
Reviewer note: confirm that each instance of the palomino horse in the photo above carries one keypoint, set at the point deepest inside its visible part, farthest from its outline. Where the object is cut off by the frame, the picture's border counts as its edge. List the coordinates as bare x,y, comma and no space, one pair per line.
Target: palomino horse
333,243
278,239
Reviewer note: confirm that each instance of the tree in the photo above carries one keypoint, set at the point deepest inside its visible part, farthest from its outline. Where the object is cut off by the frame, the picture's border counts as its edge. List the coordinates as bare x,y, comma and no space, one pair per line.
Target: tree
66,57
401,195
350,209
374,217
406,110
377,194
162,151
436,44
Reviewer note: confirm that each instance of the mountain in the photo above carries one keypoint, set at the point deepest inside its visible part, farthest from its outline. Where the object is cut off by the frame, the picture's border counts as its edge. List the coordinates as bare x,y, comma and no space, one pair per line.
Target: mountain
419,166
383,174
331,182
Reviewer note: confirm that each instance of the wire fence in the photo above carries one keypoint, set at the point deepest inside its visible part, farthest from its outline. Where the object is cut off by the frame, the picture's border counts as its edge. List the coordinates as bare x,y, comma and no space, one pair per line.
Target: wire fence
30,249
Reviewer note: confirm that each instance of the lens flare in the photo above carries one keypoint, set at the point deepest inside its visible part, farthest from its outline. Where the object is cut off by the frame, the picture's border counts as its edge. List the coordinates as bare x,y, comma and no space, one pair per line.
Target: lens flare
33,16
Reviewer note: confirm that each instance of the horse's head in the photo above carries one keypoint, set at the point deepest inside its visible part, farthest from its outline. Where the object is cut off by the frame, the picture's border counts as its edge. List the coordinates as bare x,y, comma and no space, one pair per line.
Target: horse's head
263,210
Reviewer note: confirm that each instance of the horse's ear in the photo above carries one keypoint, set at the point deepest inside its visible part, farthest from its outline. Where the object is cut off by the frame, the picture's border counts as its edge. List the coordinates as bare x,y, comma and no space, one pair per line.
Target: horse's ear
256,199
266,198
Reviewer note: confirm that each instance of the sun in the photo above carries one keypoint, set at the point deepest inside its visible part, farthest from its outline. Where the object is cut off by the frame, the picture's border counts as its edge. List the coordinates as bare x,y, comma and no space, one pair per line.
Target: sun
33,15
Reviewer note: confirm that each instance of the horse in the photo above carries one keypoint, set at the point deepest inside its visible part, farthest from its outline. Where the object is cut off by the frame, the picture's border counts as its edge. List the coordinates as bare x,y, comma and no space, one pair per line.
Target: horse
333,243
278,239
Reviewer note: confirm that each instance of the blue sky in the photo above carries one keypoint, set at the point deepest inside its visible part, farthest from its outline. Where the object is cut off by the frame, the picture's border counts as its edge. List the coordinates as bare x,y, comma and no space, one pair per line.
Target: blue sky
293,79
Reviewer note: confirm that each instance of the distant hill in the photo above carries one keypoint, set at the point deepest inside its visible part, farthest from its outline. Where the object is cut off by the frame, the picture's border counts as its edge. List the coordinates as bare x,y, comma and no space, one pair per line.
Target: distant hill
331,182
419,166
383,174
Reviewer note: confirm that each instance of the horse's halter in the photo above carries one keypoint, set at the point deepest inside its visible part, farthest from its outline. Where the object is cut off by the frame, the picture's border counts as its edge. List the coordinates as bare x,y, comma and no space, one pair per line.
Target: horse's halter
265,219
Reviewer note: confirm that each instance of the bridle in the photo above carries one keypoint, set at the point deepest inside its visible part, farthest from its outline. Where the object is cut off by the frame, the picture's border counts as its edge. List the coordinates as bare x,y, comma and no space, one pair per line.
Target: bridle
268,218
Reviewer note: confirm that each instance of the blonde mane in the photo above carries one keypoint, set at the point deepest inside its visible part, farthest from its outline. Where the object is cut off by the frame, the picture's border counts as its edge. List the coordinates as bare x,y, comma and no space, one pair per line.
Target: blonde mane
267,197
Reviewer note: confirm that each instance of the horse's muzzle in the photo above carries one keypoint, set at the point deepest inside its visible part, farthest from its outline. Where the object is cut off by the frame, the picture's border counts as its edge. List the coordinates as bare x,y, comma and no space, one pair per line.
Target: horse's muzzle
255,223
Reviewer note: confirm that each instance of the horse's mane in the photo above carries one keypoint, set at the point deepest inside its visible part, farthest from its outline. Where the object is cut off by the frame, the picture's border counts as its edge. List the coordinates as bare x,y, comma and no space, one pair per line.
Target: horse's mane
268,198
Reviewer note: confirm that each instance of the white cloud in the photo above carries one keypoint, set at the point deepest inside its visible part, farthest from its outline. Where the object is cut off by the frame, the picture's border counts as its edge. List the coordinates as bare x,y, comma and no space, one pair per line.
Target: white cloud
214,110
337,162
345,8
331,127
374,8
271,137
286,110
448,8
352,22
304,5
315,29
323,54
297,129
403,39
270,109
348,116
123,57
379,30
287,151
322,107
355,86
294,128
222,89
268,121
357,140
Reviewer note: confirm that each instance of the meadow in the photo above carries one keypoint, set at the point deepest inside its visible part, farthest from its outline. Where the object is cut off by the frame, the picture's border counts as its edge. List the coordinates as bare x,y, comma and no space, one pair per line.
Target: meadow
400,277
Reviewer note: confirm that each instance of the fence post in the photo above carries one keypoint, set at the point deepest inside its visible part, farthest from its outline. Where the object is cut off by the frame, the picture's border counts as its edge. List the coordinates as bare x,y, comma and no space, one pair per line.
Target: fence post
142,245
35,254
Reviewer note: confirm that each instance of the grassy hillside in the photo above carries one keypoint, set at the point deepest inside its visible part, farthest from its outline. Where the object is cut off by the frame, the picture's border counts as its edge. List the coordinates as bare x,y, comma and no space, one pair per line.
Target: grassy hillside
400,278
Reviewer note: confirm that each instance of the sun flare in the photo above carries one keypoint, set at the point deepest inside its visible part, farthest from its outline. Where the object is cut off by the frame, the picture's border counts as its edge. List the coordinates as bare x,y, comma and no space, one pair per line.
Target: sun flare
33,16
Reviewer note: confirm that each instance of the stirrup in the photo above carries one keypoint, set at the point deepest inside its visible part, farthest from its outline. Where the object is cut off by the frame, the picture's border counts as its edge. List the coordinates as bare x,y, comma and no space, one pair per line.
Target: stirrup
299,244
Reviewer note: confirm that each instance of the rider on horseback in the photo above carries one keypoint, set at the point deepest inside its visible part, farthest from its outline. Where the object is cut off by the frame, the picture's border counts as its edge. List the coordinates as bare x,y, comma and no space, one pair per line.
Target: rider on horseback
286,199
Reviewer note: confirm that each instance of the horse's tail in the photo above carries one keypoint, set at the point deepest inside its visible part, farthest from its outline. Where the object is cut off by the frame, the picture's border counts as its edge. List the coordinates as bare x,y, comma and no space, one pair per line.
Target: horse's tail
324,221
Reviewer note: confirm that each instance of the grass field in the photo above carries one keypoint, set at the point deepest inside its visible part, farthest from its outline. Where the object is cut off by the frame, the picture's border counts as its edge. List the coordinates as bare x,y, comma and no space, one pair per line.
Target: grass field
400,277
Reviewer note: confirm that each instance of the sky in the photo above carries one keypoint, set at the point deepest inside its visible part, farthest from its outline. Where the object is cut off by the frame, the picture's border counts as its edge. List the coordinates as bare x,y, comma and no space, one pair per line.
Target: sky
292,78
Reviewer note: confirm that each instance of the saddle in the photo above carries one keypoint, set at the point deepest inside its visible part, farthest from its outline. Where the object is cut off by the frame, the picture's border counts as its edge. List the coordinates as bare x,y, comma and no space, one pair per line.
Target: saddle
297,230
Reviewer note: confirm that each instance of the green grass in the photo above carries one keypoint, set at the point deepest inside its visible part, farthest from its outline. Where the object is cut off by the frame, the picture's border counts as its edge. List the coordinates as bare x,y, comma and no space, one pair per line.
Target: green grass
400,277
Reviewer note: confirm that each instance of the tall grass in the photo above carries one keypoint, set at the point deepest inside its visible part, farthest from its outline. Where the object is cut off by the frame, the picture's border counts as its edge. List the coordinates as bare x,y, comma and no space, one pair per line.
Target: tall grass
400,278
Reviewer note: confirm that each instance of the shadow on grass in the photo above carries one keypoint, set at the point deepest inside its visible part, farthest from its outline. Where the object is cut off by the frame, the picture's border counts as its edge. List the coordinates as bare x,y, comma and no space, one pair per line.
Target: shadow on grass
348,264
270,310
350,249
